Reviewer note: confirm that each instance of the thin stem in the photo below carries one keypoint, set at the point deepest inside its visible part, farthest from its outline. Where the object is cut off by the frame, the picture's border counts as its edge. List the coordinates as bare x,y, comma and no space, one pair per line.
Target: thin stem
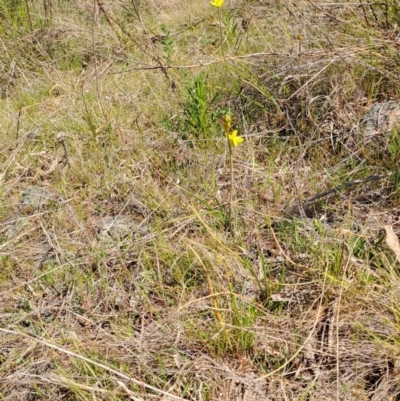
221,35
227,130
231,190
231,228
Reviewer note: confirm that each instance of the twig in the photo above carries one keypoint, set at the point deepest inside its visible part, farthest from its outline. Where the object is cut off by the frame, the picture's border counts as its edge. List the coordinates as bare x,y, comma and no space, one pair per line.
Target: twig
328,14
18,121
340,187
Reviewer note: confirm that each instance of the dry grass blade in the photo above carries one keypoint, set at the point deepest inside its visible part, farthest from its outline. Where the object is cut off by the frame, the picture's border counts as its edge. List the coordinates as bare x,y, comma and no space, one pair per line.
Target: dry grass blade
100,365
119,275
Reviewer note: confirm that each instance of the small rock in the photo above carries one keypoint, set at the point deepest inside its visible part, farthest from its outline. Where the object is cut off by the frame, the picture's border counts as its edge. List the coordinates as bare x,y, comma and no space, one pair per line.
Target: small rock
16,227
36,197
381,118
117,227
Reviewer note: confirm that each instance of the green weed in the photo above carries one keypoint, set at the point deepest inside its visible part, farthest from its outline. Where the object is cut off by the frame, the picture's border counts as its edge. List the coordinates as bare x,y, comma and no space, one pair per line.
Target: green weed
198,107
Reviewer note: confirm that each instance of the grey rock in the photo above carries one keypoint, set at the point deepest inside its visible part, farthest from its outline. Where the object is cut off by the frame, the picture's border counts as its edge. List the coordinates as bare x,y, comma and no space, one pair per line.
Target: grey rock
16,227
118,227
381,118
36,197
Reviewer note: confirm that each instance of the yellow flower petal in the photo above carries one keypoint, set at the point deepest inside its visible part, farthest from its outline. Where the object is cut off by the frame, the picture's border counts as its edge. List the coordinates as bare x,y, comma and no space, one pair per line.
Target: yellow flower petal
235,139
217,3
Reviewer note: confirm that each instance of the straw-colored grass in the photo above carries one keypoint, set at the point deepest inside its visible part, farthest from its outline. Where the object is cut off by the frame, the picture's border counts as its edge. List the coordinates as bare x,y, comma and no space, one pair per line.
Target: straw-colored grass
126,269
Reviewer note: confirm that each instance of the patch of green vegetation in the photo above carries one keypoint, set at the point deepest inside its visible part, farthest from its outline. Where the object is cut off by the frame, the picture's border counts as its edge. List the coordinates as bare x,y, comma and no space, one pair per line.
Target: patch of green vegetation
198,107
17,14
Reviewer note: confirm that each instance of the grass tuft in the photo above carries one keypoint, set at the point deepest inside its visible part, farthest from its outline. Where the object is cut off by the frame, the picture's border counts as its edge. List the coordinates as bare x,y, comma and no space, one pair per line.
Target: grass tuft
144,254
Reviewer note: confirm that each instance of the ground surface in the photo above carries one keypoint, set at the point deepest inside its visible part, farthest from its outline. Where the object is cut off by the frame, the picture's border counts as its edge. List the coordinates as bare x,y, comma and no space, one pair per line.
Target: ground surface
141,259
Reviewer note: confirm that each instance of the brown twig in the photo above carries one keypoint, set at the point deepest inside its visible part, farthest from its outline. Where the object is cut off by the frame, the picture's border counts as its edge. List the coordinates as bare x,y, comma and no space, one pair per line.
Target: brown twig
339,188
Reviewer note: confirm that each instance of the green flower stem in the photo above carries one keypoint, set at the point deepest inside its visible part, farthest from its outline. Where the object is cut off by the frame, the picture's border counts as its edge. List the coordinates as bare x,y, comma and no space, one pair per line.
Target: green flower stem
231,225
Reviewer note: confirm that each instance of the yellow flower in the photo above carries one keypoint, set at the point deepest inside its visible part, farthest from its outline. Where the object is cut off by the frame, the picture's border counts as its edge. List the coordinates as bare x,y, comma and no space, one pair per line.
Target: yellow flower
227,123
217,3
235,139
